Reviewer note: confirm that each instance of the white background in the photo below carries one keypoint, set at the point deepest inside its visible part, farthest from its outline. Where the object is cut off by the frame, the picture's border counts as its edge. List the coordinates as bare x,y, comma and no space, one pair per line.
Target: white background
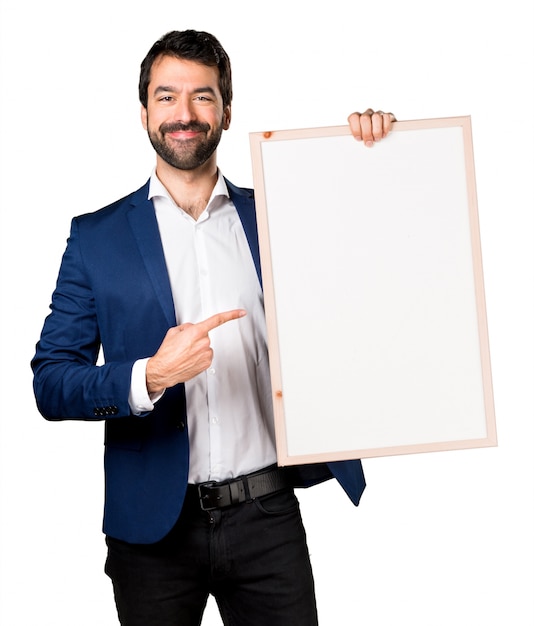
441,538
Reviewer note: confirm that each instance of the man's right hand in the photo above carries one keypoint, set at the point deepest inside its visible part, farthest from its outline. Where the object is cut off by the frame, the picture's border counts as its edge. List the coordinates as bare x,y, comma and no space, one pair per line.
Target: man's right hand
184,352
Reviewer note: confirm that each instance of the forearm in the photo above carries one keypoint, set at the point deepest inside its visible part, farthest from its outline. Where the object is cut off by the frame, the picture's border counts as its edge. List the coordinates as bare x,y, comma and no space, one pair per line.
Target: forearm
140,399
67,390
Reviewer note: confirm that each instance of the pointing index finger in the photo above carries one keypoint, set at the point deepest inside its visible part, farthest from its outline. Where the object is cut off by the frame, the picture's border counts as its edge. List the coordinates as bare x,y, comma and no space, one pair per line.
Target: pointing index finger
220,318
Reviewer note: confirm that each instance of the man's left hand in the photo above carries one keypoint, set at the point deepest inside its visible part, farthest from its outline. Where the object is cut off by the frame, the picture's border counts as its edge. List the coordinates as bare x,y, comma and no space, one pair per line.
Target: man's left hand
370,126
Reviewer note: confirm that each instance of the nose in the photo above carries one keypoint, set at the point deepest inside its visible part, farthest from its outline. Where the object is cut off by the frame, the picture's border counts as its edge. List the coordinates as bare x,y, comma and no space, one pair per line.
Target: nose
183,111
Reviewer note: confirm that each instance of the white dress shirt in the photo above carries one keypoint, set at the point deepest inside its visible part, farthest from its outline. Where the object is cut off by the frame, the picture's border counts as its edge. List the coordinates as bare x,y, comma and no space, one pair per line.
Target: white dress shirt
229,407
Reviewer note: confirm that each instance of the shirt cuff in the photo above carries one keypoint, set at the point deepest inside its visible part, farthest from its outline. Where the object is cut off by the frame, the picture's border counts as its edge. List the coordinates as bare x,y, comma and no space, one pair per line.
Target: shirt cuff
139,399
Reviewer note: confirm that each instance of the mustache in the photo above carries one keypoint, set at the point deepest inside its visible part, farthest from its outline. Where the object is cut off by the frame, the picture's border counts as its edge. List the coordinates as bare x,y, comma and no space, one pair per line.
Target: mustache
173,127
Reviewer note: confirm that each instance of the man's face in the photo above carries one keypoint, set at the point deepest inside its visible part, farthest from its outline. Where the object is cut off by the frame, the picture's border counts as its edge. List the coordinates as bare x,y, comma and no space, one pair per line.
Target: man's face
185,116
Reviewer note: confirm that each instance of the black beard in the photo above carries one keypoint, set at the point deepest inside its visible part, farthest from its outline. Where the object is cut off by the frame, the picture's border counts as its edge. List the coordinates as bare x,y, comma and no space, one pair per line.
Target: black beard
193,153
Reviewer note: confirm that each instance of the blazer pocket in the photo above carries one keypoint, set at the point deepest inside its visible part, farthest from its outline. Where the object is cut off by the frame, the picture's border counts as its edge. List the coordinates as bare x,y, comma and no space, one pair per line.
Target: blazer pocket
126,433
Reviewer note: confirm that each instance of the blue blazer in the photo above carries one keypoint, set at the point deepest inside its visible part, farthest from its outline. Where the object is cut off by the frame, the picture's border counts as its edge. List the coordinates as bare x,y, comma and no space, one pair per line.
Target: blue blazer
113,291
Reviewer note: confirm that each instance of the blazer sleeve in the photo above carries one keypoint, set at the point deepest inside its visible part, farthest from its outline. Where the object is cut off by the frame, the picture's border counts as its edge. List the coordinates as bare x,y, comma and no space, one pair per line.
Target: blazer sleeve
67,382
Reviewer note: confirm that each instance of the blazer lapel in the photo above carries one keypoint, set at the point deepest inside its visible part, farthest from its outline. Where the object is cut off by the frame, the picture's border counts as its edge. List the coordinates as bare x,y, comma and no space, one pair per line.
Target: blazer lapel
243,200
144,226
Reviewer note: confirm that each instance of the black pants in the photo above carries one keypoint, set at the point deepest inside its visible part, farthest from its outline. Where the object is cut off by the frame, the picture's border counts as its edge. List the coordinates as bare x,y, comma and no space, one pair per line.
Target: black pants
252,558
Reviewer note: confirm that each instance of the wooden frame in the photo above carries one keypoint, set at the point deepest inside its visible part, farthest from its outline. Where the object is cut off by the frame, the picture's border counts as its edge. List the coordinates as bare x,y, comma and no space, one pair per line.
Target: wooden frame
374,293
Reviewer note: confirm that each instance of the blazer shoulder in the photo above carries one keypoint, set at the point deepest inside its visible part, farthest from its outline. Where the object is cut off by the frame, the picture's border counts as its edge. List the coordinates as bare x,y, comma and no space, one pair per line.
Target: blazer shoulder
242,192
116,208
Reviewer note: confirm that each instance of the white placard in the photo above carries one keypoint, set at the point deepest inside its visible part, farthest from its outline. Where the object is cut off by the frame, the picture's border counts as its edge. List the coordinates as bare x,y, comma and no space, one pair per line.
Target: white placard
373,291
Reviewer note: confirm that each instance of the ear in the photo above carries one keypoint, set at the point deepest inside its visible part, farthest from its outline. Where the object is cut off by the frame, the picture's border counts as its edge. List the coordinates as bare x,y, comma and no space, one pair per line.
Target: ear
227,116
144,117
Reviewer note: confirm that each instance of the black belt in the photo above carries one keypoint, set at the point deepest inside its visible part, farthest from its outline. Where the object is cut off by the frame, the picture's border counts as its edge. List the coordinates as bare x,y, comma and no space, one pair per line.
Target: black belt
217,495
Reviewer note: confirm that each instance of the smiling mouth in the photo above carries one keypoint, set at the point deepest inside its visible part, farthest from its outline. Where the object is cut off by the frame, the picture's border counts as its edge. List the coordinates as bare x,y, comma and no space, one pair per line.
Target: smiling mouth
183,135
184,131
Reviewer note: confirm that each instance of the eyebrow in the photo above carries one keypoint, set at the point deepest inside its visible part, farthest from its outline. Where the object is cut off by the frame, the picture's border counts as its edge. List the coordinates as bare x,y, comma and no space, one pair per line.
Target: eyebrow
170,88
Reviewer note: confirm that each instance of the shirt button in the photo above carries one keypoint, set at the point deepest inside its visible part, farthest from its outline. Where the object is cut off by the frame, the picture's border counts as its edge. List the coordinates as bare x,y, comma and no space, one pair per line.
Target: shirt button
211,370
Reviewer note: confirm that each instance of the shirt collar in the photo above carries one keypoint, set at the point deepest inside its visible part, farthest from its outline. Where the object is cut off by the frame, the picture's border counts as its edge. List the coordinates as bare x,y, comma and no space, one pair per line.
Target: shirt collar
157,189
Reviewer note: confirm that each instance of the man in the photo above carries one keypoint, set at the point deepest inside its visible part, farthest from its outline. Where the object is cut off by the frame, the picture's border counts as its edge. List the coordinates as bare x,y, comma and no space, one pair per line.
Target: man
167,281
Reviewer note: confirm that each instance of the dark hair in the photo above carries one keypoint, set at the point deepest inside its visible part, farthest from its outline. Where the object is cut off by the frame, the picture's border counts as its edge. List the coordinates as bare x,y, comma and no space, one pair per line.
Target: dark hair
194,46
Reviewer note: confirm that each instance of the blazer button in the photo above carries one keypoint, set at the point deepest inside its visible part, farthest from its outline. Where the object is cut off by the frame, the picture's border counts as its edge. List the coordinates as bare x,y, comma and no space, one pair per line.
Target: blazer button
181,426
105,411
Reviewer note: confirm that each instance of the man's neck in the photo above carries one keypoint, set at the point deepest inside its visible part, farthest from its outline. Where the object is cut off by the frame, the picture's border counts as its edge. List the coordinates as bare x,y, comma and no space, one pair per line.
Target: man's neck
190,189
